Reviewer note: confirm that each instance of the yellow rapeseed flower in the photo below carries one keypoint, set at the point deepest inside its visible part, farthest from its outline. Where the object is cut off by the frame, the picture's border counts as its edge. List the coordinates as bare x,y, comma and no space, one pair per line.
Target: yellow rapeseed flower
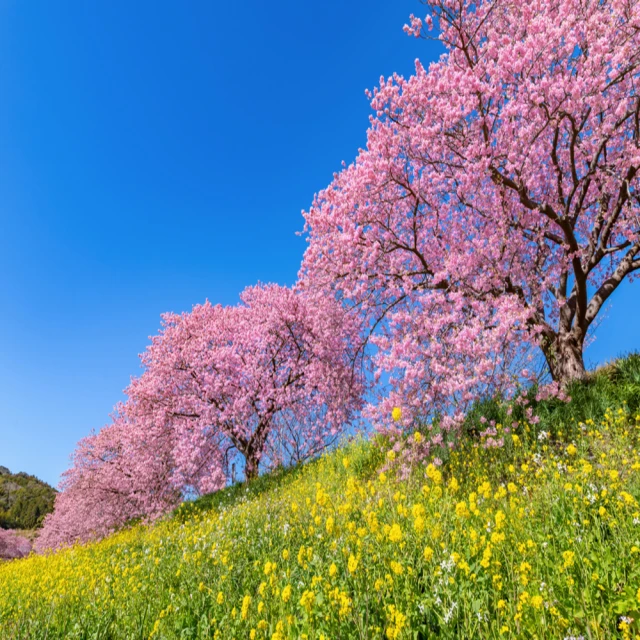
569,559
307,600
395,533
433,473
329,525
246,603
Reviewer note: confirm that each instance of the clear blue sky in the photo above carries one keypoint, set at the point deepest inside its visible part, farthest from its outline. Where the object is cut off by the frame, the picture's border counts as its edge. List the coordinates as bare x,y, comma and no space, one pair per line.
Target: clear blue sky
153,155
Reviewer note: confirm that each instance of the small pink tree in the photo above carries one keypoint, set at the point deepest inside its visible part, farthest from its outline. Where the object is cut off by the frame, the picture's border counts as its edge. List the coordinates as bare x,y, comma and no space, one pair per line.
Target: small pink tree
496,206
13,545
121,473
274,376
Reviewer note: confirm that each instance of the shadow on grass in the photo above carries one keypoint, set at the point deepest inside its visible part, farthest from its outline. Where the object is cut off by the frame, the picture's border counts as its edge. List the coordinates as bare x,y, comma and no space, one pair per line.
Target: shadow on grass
239,491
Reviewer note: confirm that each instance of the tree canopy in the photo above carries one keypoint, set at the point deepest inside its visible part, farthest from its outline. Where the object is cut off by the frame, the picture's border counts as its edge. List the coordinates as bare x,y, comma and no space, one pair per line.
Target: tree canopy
496,205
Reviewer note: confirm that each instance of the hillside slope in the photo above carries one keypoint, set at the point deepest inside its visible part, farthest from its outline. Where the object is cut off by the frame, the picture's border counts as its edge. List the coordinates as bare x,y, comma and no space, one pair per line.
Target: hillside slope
24,500
538,538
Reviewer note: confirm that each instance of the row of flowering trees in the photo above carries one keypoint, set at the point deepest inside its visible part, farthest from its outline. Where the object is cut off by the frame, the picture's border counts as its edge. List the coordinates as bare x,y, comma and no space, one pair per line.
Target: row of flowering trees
275,379
494,210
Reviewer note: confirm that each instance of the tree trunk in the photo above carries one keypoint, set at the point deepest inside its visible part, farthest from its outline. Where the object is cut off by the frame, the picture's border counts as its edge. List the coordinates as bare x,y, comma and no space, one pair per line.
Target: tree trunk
565,359
252,449
251,467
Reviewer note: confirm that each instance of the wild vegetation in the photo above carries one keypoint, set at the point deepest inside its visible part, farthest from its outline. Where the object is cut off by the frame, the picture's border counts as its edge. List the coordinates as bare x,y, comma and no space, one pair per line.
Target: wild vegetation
539,537
24,500
24,503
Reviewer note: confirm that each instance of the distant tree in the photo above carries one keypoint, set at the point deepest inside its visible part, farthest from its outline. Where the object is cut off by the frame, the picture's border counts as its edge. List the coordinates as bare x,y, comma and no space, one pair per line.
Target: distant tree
124,472
24,500
496,206
13,545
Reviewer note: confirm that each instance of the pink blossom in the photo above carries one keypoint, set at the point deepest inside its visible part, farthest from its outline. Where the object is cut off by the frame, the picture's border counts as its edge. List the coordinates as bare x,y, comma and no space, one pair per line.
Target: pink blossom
414,27
13,545
495,206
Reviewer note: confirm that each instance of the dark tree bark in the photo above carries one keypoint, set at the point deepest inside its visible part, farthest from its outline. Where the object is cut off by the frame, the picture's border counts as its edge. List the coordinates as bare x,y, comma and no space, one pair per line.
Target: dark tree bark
564,355
251,469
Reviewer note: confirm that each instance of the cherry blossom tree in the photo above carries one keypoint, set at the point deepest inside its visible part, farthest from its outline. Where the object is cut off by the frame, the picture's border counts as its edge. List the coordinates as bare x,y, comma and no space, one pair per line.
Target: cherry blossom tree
496,206
126,471
13,545
275,377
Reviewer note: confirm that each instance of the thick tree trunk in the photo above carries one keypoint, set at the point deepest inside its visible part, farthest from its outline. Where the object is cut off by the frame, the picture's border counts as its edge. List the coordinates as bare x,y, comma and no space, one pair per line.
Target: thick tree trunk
251,467
565,359
252,449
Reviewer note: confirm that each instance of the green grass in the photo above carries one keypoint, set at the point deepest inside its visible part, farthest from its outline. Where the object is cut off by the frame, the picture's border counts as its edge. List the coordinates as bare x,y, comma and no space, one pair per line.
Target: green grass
616,384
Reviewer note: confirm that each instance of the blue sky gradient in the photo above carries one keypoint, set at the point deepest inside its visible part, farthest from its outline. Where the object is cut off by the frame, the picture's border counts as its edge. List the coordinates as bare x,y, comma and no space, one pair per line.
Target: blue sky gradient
154,155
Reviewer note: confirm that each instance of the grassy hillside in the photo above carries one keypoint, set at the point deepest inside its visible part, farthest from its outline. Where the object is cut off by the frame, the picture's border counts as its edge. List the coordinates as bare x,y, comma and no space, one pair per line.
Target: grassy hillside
24,500
539,538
